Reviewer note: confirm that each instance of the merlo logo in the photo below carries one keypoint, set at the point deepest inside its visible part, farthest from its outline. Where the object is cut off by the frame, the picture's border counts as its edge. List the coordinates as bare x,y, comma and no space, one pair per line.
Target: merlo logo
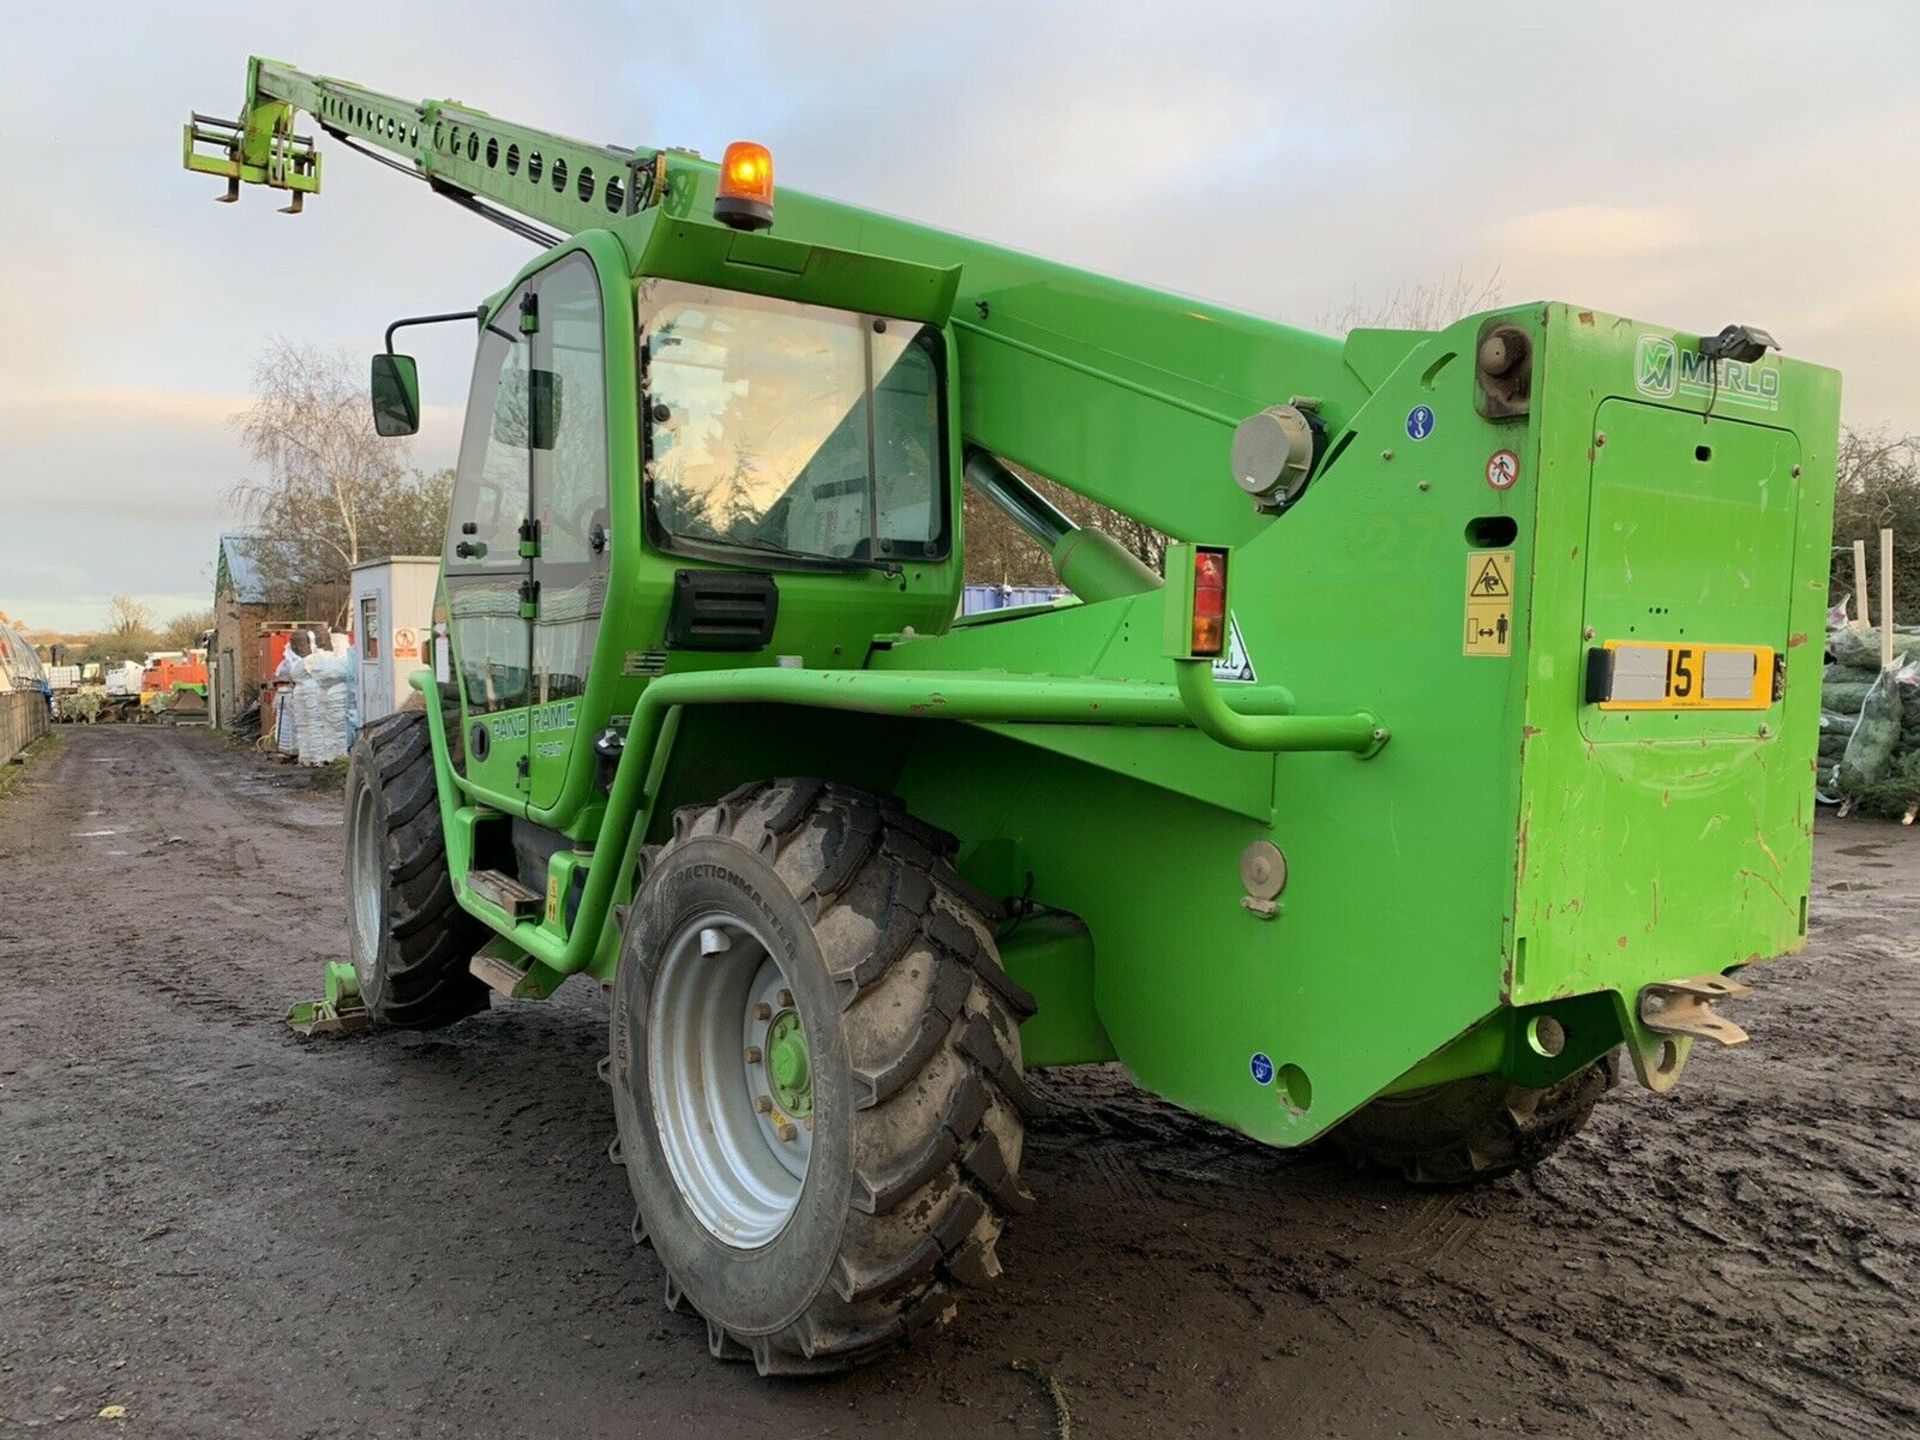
1653,365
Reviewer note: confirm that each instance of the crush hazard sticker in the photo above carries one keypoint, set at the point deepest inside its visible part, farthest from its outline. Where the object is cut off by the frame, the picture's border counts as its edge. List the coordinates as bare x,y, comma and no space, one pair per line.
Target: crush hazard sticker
1489,621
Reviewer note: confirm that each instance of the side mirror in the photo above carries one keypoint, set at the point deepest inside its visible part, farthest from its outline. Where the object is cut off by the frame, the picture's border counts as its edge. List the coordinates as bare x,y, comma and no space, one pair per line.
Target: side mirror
526,412
396,395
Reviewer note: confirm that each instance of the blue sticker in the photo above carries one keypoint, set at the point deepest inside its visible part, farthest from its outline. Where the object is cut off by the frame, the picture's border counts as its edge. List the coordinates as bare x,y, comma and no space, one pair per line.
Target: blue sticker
1419,422
1262,1068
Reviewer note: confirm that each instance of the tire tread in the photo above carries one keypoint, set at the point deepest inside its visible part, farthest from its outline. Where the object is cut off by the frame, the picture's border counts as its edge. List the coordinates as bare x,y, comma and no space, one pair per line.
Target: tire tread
926,1222
428,940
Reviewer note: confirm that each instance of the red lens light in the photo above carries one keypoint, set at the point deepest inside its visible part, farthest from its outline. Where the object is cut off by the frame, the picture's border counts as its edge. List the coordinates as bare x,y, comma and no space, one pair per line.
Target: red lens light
1209,601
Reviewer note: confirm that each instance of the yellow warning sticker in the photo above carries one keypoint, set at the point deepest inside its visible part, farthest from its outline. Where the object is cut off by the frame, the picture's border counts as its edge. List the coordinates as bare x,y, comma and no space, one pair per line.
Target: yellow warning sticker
1490,609
553,897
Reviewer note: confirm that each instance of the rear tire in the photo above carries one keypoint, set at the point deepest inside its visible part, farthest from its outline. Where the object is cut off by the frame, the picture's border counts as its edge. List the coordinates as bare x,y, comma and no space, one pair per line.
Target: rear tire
824,1225
1473,1129
409,940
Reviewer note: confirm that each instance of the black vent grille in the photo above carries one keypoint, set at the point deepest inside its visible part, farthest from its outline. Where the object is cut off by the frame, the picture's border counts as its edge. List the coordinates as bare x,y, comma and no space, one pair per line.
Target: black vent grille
722,610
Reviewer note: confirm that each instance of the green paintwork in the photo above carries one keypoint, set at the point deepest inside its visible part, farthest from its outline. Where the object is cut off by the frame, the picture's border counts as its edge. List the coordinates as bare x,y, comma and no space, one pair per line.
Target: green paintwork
1095,566
1470,846
789,1064
339,1007
1053,956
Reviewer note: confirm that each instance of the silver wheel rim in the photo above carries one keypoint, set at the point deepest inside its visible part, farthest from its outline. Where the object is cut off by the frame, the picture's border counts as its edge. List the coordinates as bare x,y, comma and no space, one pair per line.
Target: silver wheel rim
736,1156
366,875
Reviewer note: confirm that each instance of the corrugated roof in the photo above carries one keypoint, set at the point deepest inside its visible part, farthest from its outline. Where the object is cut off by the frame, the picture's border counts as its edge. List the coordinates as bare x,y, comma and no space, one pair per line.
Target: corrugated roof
237,572
20,667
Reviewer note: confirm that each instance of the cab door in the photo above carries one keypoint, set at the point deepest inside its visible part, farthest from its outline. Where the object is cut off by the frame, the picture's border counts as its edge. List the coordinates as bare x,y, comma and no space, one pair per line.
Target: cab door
487,563
573,526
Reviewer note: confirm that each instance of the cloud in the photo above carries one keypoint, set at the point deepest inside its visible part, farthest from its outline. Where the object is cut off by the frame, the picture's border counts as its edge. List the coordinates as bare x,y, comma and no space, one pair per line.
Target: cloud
91,405
1576,233
1747,165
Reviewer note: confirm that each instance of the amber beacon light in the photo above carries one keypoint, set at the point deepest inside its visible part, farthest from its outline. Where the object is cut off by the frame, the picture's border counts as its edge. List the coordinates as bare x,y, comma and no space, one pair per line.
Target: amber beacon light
745,198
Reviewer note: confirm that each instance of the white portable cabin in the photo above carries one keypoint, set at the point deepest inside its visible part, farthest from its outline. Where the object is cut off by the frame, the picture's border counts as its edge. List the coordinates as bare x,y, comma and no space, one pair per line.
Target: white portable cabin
392,621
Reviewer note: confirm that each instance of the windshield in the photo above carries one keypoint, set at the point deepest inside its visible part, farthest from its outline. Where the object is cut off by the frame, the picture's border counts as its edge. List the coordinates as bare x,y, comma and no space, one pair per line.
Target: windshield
787,427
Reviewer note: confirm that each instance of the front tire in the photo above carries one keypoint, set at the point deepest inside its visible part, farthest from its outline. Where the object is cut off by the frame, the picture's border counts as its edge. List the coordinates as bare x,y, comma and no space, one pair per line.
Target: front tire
408,938
816,1075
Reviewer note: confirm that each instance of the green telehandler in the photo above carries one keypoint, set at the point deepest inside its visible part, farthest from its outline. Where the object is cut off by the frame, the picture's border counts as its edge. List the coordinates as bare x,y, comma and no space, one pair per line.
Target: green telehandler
1465,745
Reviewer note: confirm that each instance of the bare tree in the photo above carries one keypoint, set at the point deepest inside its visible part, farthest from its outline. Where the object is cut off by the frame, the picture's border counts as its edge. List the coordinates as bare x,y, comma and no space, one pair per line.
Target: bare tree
184,630
128,617
333,492
1431,304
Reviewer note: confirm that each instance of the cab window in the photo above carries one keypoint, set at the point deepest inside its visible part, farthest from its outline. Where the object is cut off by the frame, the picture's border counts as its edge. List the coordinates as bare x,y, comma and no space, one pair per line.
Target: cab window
789,428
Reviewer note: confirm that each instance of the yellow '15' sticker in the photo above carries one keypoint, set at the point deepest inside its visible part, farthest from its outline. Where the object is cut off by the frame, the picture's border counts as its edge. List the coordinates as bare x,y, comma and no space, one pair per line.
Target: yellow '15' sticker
1683,676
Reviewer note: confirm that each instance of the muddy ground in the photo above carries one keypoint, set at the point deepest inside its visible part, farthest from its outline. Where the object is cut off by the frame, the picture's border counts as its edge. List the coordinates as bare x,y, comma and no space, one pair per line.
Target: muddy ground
229,1232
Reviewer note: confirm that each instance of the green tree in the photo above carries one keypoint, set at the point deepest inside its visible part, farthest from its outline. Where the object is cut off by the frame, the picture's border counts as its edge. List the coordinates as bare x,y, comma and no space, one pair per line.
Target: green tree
1878,485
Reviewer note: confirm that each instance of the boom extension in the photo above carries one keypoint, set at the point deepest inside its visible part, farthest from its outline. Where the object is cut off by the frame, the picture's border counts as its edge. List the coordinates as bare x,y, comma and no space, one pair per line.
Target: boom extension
500,170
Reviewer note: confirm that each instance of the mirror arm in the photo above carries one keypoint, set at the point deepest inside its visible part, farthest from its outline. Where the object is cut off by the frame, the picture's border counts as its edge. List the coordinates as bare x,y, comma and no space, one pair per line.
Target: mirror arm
478,315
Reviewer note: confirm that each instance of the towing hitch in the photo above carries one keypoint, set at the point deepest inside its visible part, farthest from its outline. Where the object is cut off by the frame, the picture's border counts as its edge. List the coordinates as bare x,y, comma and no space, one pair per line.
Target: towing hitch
1685,1007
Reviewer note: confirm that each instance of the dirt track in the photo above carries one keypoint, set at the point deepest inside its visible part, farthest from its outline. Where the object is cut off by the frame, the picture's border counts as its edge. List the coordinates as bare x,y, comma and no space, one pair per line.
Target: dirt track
232,1233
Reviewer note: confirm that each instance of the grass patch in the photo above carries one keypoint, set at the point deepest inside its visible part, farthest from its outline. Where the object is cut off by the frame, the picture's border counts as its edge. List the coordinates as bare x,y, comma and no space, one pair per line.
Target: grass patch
11,773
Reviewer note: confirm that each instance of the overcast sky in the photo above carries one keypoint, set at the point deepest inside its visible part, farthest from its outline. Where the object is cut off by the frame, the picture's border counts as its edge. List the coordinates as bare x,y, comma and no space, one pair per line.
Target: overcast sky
1690,163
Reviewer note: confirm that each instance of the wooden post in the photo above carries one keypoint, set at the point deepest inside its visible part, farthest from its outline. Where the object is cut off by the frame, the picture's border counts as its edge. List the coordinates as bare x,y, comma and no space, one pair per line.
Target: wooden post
1861,620
1886,599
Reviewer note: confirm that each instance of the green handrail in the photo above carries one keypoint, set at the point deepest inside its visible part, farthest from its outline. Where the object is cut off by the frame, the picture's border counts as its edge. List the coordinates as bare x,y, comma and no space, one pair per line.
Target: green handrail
1264,724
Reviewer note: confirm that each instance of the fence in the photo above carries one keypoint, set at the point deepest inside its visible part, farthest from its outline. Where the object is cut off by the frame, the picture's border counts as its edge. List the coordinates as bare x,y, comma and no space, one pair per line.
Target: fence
23,720
976,598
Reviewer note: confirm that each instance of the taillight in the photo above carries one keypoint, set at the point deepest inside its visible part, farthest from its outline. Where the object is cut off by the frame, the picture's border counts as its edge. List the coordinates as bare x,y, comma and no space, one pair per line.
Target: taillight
1209,601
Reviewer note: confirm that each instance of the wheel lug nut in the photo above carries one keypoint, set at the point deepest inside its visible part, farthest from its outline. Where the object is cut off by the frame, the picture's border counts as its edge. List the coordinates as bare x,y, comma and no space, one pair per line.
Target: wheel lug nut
785,997
753,1054
763,1011
786,1131
763,1104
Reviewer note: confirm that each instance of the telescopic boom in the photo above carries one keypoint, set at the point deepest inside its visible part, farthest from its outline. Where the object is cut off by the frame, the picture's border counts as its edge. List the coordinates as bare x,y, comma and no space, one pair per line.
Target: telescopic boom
1158,382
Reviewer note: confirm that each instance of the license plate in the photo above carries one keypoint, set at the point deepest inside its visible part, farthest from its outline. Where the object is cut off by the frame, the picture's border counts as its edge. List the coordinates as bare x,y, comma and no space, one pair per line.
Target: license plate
1635,675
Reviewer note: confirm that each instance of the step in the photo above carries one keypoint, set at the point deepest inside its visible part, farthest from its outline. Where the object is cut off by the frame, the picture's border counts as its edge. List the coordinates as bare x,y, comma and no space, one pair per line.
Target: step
499,967
509,894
